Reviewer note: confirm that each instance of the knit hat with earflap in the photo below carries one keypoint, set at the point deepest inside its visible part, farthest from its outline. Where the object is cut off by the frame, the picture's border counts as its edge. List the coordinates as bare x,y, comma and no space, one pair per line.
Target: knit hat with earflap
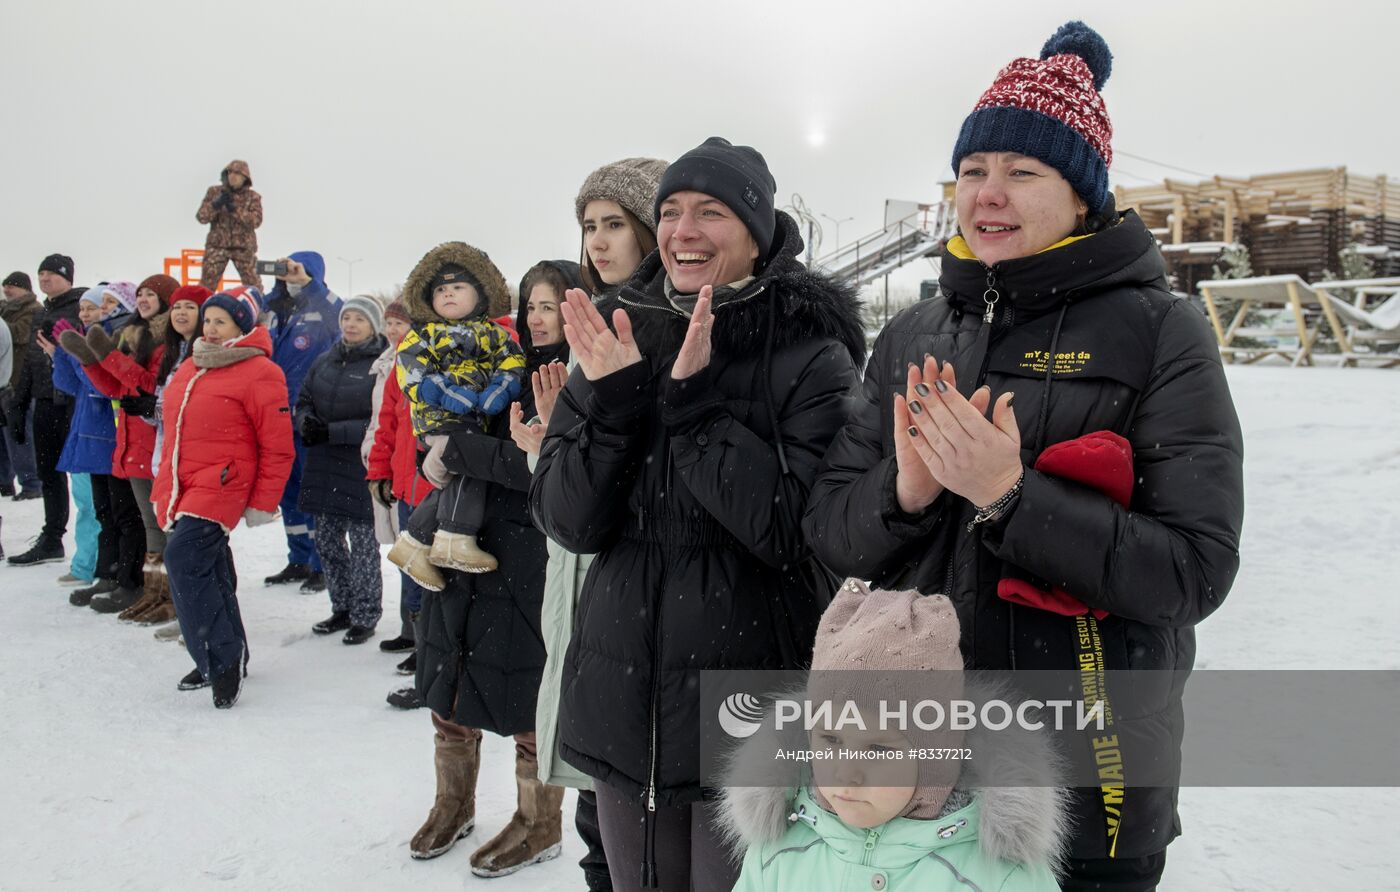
630,182
908,645
243,303
1050,109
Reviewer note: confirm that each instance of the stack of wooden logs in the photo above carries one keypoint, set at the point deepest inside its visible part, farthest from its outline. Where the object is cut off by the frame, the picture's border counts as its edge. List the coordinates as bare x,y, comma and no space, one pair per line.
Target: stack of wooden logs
1298,222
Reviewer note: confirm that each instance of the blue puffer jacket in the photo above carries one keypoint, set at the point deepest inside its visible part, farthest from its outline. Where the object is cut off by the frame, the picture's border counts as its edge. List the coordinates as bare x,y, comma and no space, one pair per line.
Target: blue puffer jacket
302,327
92,434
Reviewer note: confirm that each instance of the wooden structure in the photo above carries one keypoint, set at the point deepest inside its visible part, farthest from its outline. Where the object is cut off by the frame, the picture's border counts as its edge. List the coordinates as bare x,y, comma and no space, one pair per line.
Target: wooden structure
1294,223
1288,293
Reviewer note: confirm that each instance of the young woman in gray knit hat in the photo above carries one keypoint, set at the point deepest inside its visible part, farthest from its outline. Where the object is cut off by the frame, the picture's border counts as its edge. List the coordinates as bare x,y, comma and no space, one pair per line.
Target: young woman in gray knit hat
614,211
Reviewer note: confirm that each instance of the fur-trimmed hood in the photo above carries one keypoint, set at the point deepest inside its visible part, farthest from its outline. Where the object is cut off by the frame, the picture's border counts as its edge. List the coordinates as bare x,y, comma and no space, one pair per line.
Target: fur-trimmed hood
418,299
1023,825
809,305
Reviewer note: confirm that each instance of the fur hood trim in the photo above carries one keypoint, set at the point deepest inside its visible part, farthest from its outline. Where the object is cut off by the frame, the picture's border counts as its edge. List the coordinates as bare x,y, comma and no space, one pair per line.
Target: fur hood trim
419,301
1026,825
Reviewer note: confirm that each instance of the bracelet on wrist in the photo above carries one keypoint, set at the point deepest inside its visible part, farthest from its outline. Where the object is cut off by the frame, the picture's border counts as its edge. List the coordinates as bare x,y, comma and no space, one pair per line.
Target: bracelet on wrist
997,508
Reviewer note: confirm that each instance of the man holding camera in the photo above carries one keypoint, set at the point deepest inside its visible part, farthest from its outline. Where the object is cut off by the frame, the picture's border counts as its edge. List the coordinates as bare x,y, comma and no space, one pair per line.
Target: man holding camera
233,211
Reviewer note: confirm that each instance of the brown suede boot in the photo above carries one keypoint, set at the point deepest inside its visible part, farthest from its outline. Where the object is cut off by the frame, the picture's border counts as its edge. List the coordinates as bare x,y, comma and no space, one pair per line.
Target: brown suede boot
454,810
151,575
163,610
534,832
459,551
411,556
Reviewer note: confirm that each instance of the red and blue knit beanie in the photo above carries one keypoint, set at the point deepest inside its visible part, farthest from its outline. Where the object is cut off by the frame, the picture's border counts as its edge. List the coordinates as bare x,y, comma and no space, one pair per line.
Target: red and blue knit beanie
1050,109
243,303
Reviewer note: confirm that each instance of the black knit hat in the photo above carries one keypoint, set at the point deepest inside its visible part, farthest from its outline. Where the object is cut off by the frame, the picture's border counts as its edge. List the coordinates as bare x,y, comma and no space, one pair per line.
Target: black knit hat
736,175
18,279
58,263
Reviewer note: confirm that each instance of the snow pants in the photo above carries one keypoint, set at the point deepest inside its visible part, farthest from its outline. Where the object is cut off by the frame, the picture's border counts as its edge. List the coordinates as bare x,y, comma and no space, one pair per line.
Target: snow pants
350,559
299,526
204,587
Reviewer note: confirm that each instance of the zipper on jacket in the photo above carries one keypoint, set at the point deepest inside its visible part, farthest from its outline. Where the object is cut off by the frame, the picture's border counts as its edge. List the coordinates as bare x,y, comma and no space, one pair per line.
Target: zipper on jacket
649,877
871,838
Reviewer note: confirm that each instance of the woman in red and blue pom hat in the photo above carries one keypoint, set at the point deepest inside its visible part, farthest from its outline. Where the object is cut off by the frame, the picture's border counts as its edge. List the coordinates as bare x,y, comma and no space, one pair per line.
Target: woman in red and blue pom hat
1110,498
226,456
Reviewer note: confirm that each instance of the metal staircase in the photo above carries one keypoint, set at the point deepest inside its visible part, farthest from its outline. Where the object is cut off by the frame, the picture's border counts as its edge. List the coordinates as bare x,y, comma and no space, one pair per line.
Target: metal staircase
920,233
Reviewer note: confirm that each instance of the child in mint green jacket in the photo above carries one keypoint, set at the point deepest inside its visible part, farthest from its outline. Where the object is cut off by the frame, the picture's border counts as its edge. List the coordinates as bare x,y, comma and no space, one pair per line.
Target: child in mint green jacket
906,825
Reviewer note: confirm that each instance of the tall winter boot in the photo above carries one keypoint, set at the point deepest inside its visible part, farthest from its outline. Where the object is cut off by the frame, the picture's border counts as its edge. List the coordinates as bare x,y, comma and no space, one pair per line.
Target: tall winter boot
534,832
149,587
163,609
461,551
453,815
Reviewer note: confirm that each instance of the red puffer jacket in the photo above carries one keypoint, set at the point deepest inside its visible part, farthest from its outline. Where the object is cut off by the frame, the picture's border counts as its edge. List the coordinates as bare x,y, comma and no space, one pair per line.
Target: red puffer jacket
394,455
228,433
119,375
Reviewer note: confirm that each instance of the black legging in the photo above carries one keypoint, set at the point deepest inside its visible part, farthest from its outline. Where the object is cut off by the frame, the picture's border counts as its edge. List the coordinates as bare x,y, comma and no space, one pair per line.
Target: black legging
121,545
50,432
686,843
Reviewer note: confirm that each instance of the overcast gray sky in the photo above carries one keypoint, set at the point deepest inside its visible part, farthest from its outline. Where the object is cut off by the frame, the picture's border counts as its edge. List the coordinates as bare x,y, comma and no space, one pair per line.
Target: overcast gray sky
376,130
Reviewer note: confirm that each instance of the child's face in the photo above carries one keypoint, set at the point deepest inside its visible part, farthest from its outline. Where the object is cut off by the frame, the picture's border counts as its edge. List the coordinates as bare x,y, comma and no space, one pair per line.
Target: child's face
355,327
395,329
89,312
455,300
846,782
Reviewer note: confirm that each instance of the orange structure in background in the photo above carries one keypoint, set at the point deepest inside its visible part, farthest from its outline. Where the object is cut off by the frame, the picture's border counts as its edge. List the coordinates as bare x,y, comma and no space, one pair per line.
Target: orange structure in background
187,268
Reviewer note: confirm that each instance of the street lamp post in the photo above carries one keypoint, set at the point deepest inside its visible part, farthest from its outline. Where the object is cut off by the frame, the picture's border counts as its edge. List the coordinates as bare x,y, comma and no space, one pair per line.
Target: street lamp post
349,274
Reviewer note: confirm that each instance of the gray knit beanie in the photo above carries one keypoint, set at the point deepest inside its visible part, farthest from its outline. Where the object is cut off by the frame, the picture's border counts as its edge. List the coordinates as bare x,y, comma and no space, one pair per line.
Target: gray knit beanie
363,303
630,182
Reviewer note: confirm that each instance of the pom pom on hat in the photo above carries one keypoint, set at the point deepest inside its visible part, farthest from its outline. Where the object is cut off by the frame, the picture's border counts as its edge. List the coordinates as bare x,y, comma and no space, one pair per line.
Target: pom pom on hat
1078,39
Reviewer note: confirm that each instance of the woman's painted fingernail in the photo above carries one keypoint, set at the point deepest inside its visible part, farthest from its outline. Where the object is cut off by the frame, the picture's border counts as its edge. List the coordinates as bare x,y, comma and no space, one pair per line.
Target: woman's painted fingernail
1009,400
921,389
942,388
916,407
913,431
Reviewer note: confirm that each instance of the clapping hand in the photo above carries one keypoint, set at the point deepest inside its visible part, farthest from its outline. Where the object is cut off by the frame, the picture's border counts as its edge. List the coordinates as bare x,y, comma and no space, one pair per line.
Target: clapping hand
599,352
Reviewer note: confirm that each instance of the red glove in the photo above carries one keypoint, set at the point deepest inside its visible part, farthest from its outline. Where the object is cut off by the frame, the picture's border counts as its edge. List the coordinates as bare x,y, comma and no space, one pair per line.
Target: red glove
1102,460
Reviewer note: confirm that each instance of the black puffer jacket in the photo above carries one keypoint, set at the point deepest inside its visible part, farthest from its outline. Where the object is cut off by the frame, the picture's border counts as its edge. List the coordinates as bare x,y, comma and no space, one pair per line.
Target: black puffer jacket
339,390
694,515
480,652
1132,359
35,382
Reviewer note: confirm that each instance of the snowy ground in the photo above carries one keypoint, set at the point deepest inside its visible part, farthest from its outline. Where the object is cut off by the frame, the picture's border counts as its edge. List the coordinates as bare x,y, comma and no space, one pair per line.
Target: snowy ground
114,780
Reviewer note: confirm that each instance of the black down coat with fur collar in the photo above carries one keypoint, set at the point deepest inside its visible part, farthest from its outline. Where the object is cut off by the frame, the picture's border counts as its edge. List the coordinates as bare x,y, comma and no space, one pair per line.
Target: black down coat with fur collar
693,507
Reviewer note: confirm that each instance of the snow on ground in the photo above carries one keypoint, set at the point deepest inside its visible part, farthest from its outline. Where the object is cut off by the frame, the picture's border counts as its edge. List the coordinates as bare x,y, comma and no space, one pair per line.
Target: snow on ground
115,780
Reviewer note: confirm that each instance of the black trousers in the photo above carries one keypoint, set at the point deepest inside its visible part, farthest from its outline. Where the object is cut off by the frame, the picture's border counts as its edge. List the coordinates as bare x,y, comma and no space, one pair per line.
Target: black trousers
683,842
121,544
594,861
1114,874
50,432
